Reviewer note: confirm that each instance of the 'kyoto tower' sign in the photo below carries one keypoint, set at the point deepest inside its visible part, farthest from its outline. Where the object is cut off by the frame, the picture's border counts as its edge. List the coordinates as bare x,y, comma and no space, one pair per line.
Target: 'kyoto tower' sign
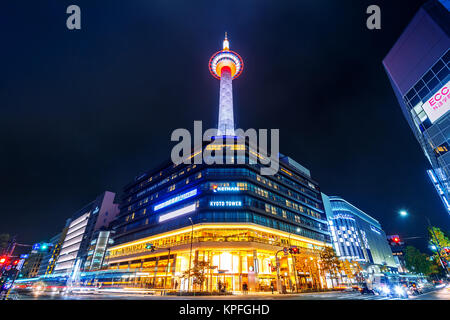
226,65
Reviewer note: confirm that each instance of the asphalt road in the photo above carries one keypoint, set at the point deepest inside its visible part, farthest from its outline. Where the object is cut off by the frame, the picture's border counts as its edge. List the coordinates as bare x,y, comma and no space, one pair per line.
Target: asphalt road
438,294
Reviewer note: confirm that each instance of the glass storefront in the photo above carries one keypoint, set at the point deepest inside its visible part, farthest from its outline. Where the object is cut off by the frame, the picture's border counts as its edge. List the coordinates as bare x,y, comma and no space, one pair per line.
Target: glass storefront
222,260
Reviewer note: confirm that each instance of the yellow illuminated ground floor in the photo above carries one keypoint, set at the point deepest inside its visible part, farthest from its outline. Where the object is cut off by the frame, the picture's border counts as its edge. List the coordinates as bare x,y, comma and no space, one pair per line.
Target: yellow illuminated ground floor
221,257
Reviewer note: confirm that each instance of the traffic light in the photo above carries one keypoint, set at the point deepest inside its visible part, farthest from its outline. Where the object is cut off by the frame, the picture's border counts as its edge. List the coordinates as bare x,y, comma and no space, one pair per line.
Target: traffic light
294,250
394,241
15,262
42,247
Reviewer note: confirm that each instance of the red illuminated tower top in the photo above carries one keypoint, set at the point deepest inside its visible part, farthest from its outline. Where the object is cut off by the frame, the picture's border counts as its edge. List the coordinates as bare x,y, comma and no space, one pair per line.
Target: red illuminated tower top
226,65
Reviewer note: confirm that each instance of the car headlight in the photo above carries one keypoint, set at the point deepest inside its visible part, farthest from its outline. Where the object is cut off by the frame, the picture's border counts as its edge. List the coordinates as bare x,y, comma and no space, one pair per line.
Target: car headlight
398,290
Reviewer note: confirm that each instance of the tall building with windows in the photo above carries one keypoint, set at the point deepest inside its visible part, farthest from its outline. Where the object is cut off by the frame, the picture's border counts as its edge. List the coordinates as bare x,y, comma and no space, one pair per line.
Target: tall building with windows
229,215
47,256
357,236
49,259
418,68
84,223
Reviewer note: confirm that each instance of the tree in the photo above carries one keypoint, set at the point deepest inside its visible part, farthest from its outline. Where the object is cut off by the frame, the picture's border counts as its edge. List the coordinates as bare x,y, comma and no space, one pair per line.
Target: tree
352,269
416,261
440,240
198,272
330,262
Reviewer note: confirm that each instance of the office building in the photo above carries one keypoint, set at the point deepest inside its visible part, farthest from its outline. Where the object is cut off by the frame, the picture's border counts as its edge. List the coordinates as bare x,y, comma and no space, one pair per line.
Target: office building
357,236
418,68
84,223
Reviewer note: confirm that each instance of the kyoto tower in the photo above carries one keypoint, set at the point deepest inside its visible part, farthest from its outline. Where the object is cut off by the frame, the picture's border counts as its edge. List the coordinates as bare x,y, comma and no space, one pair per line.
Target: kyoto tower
226,65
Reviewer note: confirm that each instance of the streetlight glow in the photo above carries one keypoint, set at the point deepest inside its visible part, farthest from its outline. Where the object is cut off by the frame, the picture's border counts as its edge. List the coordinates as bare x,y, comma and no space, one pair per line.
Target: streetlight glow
403,213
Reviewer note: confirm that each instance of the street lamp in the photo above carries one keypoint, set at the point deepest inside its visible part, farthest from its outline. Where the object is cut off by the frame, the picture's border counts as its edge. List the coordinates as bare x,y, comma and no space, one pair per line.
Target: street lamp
190,255
403,213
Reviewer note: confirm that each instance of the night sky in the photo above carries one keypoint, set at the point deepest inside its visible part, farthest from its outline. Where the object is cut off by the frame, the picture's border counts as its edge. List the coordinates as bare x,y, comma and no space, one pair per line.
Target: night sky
86,111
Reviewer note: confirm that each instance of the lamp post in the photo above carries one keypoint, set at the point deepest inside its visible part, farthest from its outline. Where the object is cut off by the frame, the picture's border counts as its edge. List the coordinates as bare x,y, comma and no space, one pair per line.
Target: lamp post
435,242
294,262
190,255
278,271
167,270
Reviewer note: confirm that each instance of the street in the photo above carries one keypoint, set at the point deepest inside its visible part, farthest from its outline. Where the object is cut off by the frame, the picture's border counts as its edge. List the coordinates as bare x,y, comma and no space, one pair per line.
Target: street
436,294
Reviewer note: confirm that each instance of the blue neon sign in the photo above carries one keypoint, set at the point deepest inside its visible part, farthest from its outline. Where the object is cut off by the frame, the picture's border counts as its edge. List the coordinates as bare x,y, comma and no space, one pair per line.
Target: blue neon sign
225,203
176,199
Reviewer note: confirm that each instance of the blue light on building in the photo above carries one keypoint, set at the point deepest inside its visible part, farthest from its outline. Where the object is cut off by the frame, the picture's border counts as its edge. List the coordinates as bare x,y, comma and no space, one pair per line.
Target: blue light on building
176,199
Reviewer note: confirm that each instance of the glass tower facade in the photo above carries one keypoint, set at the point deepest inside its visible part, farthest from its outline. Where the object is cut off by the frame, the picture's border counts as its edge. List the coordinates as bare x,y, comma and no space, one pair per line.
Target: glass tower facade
236,219
418,67
356,235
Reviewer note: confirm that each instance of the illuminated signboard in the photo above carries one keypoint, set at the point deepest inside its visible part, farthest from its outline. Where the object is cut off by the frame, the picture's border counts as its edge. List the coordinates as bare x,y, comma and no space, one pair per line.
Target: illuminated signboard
217,188
375,229
177,213
225,203
438,104
175,199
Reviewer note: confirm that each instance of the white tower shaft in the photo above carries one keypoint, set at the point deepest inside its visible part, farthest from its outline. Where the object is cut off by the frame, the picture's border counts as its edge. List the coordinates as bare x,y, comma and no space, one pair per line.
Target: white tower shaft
226,118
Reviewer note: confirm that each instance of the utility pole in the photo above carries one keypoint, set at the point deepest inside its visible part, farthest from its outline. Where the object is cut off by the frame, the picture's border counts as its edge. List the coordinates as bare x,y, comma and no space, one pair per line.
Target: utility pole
9,252
167,269
294,266
277,261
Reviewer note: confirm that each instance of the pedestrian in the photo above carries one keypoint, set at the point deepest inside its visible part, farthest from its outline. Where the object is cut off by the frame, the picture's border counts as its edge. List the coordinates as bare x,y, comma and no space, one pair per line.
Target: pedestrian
245,288
271,286
176,284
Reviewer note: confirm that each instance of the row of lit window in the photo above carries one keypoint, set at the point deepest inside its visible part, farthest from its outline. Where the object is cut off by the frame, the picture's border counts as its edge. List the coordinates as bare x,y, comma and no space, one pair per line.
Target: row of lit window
156,176
156,196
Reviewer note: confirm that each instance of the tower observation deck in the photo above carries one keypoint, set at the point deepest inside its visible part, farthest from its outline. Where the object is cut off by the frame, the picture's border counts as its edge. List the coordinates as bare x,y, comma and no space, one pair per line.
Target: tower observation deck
226,65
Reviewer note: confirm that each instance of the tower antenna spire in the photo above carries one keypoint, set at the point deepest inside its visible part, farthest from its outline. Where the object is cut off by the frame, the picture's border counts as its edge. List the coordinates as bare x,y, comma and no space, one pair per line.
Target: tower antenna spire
226,44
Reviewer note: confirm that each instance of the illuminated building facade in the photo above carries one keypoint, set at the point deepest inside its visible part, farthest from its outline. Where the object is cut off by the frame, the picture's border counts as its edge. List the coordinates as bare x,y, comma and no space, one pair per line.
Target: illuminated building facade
97,250
418,67
31,265
356,235
49,259
239,220
84,223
